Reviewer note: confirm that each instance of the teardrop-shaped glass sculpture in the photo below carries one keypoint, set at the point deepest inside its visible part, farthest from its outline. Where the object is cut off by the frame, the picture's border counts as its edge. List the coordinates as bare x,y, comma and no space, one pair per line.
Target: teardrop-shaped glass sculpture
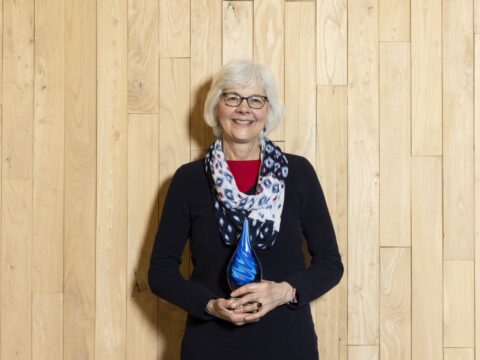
244,266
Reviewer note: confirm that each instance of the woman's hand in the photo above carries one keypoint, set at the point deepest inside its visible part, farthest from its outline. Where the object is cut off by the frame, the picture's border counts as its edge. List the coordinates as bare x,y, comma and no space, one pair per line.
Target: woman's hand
222,309
255,300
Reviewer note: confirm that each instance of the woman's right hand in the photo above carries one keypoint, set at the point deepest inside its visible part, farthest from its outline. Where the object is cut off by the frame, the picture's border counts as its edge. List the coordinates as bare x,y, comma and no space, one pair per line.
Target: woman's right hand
221,308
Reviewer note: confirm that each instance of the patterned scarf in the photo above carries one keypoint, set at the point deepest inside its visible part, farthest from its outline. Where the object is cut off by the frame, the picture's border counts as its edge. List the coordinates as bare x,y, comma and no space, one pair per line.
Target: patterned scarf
231,206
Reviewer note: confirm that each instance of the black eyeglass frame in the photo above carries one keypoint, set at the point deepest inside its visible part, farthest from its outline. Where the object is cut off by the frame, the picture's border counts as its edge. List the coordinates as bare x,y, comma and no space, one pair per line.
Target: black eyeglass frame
265,98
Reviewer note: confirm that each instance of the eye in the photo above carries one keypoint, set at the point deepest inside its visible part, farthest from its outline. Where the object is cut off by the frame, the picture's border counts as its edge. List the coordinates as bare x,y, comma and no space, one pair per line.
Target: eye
256,100
231,97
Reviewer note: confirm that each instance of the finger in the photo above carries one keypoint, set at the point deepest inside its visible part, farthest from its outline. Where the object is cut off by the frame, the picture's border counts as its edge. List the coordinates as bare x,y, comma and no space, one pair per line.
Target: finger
245,300
247,308
245,289
254,316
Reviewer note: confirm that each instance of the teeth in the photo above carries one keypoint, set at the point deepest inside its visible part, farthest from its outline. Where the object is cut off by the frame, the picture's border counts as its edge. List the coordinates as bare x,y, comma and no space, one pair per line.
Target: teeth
243,122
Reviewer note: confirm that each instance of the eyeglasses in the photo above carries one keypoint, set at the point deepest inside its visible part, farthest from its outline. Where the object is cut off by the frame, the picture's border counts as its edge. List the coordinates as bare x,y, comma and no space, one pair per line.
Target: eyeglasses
253,101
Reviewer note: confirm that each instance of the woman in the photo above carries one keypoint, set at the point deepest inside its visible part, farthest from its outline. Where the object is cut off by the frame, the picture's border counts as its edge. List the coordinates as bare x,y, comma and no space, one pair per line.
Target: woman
245,176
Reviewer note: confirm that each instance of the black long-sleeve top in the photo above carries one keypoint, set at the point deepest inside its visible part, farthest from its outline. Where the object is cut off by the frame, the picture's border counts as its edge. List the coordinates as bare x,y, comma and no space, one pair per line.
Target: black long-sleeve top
284,333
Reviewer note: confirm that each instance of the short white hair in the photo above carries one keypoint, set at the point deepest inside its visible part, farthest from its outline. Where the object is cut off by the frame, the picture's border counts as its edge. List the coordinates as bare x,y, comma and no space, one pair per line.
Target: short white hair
241,73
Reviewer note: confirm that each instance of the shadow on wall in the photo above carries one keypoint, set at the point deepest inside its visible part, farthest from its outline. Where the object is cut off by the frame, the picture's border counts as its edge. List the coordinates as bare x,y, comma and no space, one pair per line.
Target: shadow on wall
165,319
201,134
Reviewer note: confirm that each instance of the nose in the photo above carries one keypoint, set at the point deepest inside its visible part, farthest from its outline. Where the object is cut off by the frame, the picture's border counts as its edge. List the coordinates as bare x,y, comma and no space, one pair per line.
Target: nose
243,107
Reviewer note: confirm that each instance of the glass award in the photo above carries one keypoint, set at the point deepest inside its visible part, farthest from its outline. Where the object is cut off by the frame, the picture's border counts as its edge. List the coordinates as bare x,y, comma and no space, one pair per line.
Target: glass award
244,266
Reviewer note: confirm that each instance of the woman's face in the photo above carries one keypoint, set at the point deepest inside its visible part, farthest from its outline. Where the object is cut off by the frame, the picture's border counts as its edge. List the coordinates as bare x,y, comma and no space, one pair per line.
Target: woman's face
241,124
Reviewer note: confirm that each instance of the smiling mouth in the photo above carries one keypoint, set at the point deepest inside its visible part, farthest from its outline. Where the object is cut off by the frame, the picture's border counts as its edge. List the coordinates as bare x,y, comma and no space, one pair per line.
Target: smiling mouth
243,122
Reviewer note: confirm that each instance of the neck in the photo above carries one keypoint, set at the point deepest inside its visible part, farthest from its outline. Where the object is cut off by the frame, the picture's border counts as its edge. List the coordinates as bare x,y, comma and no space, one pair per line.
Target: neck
236,151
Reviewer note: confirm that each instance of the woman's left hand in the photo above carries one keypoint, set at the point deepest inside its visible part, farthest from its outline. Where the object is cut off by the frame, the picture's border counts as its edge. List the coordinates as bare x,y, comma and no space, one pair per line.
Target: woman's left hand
257,299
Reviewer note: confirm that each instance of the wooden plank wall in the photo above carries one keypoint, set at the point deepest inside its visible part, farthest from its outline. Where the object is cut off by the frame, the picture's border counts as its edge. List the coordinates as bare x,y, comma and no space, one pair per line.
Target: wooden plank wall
102,100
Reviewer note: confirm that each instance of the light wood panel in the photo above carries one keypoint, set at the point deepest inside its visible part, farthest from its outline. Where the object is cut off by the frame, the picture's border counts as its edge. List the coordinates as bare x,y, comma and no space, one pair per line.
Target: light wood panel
80,179
300,94
394,20
427,264
331,39
387,120
206,16
363,166
174,28
174,150
426,35
458,305
47,326
111,243
363,353
142,224
1,53
476,16
18,65
477,188
16,305
48,147
395,303
269,45
17,181
332,121
174,119
459,354
395,144
142,56
458,191
237,39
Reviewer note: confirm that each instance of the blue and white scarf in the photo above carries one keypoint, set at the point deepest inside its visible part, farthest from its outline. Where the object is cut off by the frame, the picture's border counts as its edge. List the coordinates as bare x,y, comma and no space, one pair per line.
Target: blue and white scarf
263,209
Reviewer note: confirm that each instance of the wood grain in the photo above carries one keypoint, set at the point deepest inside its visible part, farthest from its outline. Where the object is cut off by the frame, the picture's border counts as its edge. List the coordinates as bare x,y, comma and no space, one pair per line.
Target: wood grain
363,353
394,98
16,311
395,303
268,45
300,94
389,119
80,179
394,20
17,180
458,155
1,53
426,38
143,56
174,150
363,160
237,32
459,354
48,147
476,127
427,264
476,16
458,303
331,164
331,40
206,18
174,28
18,65
47,326
111,244
142,225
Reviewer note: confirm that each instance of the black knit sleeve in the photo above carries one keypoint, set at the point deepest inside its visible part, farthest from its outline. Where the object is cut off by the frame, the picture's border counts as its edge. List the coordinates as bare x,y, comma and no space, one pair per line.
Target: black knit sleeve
326,267
164,275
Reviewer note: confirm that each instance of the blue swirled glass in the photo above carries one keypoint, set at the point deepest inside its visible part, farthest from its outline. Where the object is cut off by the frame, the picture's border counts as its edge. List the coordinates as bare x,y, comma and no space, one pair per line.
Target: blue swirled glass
244,266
